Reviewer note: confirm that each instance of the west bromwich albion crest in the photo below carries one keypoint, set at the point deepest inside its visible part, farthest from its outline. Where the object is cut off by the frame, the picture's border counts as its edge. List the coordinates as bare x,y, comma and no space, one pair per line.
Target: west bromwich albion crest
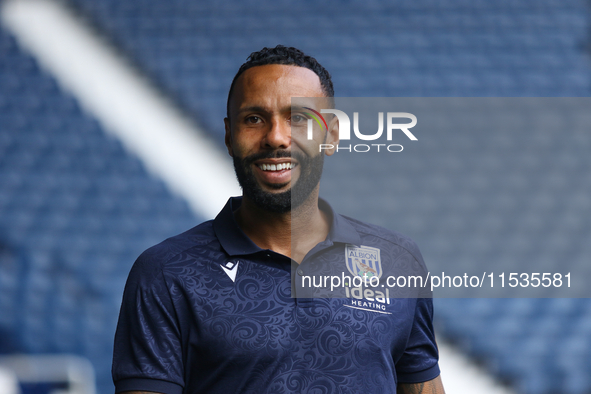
363,260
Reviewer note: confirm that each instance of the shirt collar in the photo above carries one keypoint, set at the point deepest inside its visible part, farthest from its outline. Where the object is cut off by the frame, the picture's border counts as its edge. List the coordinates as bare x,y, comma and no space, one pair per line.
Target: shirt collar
231,237
341,230
235,242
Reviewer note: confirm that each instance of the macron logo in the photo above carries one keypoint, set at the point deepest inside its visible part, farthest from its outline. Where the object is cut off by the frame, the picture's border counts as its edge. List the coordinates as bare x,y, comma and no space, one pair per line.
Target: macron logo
231,269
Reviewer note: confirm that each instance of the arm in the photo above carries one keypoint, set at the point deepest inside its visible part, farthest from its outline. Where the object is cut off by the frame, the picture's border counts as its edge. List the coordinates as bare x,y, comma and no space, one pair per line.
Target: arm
430,387
147,356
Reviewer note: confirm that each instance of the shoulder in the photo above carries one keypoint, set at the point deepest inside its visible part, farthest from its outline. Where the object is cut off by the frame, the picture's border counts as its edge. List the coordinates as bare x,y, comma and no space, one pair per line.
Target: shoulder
378,235
182,247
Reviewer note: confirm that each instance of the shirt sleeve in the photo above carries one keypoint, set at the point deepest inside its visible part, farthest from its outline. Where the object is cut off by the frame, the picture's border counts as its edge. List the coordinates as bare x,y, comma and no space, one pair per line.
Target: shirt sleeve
419,363
147,354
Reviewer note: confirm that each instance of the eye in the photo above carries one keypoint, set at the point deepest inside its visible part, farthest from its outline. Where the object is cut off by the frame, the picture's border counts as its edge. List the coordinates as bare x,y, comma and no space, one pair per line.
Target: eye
253,119
297,118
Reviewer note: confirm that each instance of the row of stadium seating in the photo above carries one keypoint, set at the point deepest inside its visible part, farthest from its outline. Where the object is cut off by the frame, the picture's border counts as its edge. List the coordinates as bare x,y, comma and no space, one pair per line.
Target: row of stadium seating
75,211
422,48
550,356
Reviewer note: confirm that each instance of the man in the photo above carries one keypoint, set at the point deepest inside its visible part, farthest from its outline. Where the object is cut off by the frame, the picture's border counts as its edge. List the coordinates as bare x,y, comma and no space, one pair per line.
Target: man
211,310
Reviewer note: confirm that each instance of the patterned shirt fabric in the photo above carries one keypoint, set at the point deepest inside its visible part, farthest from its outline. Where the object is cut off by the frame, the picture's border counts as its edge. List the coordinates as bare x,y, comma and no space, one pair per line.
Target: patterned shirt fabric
208,311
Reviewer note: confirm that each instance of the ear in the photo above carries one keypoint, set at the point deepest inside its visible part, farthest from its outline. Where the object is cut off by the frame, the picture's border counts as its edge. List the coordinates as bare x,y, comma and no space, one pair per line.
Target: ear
332,135
228,136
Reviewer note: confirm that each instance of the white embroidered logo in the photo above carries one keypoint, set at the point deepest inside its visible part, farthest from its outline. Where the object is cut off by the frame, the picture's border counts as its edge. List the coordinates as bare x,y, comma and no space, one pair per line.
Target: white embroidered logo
231,268
363,261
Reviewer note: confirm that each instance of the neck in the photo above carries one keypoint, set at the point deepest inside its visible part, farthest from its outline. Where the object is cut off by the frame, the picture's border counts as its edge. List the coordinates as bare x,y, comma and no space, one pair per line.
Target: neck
292,234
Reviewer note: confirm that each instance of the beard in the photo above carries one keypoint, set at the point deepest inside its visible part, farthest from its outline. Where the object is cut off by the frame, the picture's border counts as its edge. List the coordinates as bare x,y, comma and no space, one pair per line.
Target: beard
281,202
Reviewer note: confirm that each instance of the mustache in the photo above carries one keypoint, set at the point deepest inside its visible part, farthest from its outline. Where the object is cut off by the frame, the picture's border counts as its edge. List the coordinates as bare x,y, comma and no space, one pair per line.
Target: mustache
275,154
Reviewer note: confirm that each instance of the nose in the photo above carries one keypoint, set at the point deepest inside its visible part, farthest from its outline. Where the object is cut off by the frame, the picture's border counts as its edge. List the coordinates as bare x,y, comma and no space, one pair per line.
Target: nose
278,135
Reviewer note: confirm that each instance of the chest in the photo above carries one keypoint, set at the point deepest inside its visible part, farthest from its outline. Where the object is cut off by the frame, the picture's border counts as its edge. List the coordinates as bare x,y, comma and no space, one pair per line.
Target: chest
254,317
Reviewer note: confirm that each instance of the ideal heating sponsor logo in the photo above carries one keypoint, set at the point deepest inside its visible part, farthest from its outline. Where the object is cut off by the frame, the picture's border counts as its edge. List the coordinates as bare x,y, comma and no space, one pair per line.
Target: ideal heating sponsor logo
364,292
365,264
393,125
362,287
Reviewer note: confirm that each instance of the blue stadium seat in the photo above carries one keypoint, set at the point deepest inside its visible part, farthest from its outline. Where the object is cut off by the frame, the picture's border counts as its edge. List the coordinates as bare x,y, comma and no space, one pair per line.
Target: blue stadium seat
70,196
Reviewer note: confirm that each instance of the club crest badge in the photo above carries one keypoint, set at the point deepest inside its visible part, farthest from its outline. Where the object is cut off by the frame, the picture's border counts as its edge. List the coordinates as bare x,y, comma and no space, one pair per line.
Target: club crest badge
363,260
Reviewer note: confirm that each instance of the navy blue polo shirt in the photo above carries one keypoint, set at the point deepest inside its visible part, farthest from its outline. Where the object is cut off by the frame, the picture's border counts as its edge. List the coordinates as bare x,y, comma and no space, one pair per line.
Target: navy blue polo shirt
208,311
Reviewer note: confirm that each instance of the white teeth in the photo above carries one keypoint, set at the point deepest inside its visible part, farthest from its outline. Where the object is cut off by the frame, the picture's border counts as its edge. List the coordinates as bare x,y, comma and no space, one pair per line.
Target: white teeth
276,167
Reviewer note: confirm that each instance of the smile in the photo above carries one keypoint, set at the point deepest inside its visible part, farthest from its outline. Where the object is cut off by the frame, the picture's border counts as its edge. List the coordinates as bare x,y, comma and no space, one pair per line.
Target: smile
276,167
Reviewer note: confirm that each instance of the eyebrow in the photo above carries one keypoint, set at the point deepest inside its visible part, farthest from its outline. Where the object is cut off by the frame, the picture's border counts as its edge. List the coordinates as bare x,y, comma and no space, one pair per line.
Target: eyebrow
252,109
264,110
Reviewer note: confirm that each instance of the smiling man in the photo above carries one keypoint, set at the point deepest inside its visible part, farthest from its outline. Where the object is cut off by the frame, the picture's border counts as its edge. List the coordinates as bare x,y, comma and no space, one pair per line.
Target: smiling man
211,310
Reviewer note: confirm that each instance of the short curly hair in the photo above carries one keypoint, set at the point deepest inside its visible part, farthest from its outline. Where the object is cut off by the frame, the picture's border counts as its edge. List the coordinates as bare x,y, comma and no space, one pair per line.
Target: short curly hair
284,55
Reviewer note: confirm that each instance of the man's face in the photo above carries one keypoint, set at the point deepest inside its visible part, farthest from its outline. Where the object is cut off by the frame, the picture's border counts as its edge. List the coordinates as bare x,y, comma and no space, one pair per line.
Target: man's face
269,160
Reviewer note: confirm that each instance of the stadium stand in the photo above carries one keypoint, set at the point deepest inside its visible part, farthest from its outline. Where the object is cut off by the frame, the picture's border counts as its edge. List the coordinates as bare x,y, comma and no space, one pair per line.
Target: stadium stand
75,212
502,202
407,48
62,197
